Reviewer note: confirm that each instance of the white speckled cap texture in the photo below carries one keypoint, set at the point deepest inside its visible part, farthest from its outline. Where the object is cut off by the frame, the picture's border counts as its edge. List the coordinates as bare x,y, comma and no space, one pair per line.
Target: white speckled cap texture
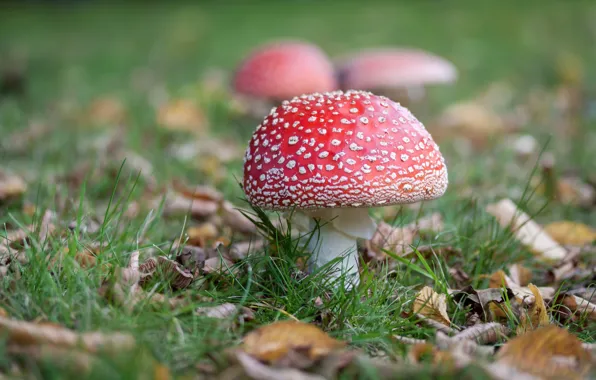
341,149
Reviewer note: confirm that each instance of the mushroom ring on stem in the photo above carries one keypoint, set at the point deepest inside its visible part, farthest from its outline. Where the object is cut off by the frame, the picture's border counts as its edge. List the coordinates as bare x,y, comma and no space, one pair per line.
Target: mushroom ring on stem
331,156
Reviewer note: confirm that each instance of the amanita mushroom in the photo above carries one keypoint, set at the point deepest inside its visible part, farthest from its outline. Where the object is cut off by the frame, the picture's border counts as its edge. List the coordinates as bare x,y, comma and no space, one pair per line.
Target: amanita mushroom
389,70
284,69
330,157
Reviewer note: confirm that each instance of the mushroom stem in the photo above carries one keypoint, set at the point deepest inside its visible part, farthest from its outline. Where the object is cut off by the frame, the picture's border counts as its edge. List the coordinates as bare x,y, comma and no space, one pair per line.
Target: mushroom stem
326,245
334,235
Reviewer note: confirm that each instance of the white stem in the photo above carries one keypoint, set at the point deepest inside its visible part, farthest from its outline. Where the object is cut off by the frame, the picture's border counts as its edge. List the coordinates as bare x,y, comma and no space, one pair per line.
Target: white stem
336,237
326,245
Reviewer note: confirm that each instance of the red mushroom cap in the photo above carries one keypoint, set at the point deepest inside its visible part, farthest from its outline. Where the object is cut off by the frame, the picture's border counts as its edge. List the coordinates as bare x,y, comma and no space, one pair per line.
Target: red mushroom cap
285,69
391,67
337,149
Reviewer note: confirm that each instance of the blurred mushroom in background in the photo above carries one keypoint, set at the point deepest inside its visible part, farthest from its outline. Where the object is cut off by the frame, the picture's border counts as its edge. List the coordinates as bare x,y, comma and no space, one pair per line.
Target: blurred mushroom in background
398,73
280,70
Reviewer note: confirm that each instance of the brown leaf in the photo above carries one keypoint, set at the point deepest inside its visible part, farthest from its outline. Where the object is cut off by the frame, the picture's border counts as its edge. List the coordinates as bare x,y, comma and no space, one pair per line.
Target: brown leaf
526,230
106,111
236,220
274,341
171,271
578,305
393,239
486,333
520,274
182,115
11,186
259,371
480,301
432,305
548,352
26,333
199,235
225,310
177,204
571,233
536,316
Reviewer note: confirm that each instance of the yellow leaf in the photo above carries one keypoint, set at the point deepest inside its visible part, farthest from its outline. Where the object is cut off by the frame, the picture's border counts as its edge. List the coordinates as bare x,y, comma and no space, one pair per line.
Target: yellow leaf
274,341
199,235
549,352
182,115
527,231
571,233
11,186
432,305
106,110
536,316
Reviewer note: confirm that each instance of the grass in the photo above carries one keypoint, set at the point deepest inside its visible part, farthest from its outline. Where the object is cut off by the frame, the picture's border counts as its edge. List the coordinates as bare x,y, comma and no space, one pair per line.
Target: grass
78,52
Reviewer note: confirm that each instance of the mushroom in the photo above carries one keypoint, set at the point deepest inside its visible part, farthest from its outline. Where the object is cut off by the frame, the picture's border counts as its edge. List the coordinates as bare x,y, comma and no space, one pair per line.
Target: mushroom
330,157
283,69
390,71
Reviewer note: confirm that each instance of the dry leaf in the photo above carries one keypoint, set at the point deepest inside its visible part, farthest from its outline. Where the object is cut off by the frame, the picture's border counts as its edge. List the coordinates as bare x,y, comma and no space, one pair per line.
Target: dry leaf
274,341
182,115
526,230
177,204
225,310
473,120
218,264
26,333
548,352
520,274
571,233
536,316
106,110
199,235
259,371
486,333
578,305
236,220
432,305
393,239
11,186
481,302
171,271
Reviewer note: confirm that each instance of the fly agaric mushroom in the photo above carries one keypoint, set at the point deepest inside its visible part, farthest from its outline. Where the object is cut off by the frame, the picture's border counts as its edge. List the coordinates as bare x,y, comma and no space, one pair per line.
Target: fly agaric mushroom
389,70
333,155
284,69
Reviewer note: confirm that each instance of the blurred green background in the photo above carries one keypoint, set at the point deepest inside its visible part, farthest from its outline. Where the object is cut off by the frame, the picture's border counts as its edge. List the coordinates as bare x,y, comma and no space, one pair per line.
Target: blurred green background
90,47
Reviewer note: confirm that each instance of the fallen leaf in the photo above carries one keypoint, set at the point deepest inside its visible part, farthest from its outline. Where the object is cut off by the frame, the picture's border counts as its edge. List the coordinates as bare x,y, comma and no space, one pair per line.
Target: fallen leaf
479,301
218,264
571,233
520,274
572,190
577,305
548,352
225,310
182,115
272,342
11,186
259,371
26,333
526,230
535,317
393,239
170,271
432,305
177,204
236,220
486,333
106,111
199,235
472,119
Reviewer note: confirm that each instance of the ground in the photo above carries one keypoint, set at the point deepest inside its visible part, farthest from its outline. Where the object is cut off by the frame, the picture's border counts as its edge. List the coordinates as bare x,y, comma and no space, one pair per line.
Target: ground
94,80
